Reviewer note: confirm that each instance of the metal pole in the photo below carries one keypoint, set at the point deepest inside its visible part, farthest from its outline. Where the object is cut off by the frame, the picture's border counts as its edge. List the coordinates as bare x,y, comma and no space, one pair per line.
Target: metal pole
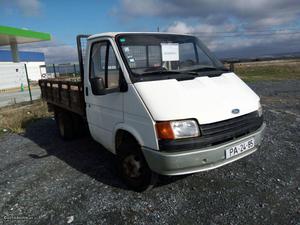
15,52
80,56
28,83
74,69
54,71
232,67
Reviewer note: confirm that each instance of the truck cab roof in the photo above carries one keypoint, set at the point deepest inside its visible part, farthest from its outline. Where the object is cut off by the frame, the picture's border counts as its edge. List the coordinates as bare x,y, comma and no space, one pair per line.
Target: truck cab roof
113,34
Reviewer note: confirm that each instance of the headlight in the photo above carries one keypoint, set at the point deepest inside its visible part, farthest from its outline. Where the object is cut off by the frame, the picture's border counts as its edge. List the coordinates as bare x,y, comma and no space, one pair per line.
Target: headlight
260,111
177,129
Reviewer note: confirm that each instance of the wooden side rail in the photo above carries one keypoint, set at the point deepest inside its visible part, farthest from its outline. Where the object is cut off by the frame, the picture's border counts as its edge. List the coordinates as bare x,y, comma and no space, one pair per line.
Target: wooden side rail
64,93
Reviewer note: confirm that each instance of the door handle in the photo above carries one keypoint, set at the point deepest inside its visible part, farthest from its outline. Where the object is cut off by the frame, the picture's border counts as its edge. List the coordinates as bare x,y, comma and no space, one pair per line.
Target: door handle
86,91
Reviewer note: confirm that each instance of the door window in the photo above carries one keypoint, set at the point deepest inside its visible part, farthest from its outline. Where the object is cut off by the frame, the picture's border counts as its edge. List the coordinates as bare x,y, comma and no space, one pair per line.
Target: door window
104,64
113,69
98,60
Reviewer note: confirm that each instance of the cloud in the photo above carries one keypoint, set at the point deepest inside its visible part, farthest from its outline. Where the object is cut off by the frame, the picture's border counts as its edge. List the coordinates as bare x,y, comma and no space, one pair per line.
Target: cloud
181,27
227,41
29,7
237,27
259,47
25,7
55,52
60,54
269,12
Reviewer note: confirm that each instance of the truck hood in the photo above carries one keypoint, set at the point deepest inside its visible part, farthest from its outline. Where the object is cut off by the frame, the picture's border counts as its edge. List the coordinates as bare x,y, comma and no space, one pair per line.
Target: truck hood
207,99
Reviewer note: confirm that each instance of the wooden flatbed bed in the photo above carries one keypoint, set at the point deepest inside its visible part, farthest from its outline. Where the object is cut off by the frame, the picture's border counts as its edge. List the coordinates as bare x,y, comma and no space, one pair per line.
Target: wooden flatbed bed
64,93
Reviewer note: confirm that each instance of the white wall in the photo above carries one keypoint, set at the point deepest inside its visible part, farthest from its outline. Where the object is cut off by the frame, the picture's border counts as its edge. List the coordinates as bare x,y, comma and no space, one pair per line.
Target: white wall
12,75
34,71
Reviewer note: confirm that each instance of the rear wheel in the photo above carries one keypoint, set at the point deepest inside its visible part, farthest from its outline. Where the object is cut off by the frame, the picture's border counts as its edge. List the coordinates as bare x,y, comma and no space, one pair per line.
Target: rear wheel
134,169
65,125
79,127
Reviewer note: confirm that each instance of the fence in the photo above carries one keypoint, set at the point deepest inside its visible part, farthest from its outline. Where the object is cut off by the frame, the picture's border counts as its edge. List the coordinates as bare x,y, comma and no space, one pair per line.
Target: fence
232,61
60,70
18,81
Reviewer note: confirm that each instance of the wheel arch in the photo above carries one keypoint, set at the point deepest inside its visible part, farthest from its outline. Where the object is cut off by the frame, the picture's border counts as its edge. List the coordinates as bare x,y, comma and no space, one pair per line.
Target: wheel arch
122,132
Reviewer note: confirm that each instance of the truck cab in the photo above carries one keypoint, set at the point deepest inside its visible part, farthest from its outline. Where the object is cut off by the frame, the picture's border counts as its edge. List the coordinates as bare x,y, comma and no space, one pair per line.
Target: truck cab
165,105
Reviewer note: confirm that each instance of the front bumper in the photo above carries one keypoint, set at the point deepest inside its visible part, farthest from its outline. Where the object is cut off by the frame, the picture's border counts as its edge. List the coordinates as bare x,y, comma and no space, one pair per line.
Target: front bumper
196,160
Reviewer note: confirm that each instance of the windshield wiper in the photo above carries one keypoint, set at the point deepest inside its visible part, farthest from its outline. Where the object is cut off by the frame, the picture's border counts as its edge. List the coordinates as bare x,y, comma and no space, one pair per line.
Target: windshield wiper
161,72
208,71
173,74
209,68
206,68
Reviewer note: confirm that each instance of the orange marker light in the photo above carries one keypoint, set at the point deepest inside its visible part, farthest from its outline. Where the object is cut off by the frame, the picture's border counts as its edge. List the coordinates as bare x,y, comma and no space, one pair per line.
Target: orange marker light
164,130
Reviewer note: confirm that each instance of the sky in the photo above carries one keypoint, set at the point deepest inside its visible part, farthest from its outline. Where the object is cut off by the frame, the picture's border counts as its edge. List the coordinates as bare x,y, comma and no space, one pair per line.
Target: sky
230,28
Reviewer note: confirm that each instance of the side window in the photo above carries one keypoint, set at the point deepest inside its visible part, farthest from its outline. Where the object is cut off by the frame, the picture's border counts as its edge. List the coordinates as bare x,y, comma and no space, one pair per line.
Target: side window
113,69
97,65
104,64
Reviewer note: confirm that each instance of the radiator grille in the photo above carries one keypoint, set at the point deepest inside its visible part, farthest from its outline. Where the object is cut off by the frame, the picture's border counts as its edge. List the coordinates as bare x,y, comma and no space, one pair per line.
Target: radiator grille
237,126
216,133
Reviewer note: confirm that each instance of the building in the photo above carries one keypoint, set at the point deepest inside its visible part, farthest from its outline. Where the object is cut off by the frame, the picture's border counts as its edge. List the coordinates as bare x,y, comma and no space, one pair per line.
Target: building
12,74
12,62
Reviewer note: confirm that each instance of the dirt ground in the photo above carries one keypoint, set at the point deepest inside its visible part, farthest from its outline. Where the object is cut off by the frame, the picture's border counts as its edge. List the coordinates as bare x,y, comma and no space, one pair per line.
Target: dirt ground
44,180
15,118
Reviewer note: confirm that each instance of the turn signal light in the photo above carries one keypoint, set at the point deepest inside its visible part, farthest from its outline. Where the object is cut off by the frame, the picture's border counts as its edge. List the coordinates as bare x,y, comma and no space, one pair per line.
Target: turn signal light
164,131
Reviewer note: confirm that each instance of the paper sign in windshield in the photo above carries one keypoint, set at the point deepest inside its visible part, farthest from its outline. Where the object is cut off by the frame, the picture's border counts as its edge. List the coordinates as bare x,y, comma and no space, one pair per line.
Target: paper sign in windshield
170,51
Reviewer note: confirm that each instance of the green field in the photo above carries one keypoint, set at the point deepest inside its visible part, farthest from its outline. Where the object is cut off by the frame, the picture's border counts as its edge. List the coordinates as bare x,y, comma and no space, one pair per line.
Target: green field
274,70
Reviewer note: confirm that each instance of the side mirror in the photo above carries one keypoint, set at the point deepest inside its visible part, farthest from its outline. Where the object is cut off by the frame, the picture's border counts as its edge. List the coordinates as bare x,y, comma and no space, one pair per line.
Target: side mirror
98,86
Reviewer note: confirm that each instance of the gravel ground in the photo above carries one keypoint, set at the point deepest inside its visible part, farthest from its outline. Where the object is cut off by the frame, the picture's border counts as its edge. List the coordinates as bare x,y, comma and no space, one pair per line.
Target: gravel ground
44,180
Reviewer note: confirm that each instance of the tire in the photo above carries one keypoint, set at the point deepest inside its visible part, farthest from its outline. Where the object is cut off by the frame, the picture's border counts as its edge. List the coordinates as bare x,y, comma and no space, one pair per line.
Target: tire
65,125
79,128
134,169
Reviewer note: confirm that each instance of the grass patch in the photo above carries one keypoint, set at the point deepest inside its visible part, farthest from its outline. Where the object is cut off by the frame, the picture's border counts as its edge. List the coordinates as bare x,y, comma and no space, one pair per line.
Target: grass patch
278,70
16,118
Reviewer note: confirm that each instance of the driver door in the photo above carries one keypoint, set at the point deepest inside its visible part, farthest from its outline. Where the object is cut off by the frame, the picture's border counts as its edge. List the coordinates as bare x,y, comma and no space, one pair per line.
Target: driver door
104,112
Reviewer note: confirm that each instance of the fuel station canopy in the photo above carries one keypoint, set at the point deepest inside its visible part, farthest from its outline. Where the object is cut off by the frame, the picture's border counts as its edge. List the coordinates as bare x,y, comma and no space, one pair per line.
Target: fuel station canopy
13,36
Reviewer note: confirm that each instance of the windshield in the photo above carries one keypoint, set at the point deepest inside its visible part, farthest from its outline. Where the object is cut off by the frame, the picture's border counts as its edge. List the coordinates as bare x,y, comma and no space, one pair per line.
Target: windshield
157,54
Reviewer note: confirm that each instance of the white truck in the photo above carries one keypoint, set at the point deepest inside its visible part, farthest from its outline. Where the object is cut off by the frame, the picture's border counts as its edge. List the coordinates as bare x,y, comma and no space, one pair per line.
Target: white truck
161,102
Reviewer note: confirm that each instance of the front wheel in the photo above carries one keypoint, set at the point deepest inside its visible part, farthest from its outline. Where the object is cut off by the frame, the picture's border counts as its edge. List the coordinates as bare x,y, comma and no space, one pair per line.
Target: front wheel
134,169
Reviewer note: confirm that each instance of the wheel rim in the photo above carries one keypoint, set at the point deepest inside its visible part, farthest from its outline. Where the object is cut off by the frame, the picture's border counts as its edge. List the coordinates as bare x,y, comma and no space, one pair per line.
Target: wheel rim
132,166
